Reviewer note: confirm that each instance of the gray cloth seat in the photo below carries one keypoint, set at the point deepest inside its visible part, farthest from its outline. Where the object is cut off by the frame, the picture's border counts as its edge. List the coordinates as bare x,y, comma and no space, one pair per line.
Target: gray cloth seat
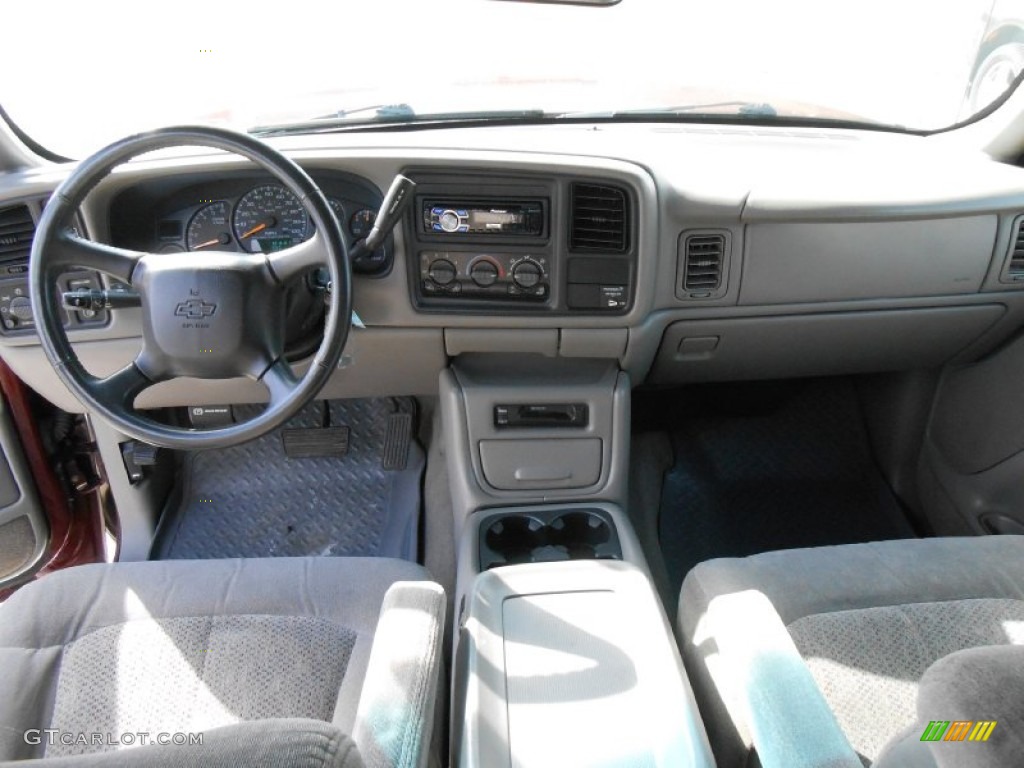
815,656
283,661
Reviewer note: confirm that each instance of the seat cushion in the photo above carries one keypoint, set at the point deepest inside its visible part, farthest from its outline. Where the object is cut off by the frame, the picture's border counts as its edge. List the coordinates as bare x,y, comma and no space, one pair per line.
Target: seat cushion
970,713
868,619
188,646
266,744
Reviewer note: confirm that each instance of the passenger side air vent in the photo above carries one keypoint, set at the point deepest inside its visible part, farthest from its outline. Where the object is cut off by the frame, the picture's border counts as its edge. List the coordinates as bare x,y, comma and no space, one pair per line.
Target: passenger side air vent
703,264
1015,264
600,218
16,231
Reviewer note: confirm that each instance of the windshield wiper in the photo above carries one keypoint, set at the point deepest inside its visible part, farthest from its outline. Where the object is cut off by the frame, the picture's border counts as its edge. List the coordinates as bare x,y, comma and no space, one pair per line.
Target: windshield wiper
382,117
394,115
744,108
757,113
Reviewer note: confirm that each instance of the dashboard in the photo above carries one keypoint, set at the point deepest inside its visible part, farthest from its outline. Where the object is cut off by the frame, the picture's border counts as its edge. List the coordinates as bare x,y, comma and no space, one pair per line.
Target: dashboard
685,253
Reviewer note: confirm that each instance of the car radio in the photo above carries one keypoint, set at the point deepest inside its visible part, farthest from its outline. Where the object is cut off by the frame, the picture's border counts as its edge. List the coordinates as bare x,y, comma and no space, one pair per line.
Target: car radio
448,217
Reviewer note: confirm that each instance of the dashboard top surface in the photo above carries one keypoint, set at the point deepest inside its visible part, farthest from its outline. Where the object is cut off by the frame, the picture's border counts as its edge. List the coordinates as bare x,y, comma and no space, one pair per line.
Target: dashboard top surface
726,169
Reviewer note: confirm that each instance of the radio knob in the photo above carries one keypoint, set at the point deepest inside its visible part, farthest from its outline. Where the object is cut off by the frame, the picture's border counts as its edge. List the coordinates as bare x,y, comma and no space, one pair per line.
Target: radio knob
441,271
484,274
449,221
526,274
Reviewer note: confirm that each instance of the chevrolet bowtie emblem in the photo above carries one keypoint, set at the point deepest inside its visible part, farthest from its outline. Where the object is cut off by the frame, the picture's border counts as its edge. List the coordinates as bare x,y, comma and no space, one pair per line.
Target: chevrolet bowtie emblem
195,309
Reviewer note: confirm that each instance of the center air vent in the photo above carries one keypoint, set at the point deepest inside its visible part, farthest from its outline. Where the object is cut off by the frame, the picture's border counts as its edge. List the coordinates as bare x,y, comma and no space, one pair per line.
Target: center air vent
1015,265
16,230
600,219
703,259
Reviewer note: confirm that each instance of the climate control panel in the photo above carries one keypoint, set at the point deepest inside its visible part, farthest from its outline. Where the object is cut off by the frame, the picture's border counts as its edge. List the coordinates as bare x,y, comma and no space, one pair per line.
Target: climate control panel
473,275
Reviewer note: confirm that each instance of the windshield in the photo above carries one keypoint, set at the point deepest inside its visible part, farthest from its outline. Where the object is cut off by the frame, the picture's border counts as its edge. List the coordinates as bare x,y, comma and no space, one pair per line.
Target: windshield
80,74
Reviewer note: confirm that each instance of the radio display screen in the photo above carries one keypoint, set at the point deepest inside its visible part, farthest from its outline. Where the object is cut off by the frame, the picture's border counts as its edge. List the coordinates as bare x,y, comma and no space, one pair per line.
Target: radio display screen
449,217
493,219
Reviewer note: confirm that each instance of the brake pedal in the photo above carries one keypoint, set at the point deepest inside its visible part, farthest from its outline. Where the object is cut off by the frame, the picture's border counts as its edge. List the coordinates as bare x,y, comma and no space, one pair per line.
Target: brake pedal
315,442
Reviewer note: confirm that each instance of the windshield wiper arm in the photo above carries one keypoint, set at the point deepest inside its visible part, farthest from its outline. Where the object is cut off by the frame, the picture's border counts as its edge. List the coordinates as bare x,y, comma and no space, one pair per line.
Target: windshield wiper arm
395,115
374,113
384,111
745,108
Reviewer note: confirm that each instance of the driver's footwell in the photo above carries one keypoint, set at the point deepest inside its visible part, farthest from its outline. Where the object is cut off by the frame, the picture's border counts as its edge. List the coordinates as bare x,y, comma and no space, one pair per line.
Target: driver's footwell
261,500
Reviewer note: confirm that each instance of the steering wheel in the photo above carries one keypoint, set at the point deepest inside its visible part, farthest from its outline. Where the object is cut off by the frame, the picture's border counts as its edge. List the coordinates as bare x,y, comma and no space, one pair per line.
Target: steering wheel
208,315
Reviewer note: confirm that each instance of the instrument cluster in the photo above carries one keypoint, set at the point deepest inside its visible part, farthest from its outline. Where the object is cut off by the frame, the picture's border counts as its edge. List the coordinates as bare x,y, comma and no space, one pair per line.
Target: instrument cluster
258,215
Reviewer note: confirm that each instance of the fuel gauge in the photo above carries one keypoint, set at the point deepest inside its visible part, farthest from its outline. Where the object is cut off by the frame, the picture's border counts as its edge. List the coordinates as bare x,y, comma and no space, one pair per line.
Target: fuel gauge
361,223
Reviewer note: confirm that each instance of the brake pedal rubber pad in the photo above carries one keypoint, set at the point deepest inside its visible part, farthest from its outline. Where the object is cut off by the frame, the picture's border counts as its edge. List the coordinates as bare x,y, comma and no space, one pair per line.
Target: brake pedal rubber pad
396,442
315,442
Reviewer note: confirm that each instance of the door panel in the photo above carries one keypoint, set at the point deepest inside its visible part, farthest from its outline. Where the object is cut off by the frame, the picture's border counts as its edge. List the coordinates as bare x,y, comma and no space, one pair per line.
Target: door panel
24,531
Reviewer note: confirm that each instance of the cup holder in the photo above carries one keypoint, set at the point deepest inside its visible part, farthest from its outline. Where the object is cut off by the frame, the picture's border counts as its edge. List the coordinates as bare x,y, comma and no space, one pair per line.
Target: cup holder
581,533
548,536
516,537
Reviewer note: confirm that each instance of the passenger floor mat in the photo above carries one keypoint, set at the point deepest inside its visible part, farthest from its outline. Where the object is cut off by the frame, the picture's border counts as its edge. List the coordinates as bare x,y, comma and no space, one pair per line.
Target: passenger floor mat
749,477
343,481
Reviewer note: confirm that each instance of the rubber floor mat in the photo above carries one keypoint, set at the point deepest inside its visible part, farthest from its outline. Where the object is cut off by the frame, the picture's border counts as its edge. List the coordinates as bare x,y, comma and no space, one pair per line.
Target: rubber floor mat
253,500
749,478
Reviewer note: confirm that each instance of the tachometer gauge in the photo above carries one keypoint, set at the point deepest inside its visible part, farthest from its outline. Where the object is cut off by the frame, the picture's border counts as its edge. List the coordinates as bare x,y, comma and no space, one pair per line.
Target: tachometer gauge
361,223
270,218
209,228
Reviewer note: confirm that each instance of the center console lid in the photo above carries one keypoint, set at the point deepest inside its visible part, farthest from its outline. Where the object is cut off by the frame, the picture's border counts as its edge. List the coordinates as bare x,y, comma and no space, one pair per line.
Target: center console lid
572,663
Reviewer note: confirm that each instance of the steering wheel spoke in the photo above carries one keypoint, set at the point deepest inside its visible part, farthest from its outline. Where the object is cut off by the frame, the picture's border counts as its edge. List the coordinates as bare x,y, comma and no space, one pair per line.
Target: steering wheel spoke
280,381
68,250
121,387
298,259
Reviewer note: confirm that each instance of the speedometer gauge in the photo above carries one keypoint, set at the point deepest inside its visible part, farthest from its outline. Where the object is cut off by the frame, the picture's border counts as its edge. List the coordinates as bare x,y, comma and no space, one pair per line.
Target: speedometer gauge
270,218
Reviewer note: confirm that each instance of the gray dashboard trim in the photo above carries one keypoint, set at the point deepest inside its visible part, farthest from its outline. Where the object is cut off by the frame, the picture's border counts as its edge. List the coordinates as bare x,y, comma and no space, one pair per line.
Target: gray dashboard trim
684,177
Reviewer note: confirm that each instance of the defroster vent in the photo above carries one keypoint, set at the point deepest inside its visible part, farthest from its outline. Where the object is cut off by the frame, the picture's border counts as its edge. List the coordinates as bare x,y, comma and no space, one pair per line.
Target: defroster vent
703,263
16,231
600,218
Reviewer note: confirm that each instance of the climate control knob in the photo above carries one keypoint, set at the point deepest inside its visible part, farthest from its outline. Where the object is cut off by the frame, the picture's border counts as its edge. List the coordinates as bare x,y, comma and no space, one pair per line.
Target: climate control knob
484,273
526,274
441,271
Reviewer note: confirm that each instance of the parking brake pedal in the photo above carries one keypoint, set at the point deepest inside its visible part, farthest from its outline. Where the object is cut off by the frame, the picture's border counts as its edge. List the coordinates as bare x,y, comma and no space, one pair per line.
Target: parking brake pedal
138,455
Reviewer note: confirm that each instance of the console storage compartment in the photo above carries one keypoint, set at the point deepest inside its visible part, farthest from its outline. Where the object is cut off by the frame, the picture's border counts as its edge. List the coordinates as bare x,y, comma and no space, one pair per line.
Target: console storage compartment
519,464
572,663
526,429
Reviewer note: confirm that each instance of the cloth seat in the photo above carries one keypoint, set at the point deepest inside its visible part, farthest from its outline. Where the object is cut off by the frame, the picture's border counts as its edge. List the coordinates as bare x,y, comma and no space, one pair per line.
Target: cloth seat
289,657
814,656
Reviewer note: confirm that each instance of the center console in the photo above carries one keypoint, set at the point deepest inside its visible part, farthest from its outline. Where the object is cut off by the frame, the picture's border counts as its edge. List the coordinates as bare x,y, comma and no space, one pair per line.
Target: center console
563,653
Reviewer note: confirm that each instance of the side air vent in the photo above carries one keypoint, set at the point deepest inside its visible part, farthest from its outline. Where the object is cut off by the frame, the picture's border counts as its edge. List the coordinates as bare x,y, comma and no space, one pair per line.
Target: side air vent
1015,265
600,218
703,264
16,230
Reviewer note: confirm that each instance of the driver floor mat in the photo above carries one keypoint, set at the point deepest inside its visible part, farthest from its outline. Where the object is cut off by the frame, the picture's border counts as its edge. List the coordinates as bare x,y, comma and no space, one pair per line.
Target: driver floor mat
343,477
